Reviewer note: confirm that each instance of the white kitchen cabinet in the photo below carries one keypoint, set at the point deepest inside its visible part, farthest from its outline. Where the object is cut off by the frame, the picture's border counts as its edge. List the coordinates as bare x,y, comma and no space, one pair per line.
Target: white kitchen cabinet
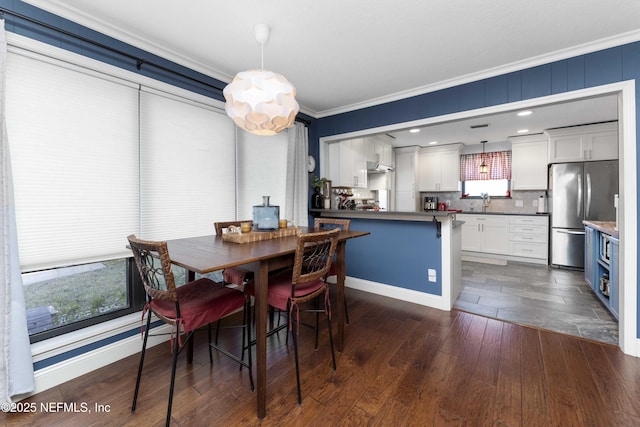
348,164
583,143
378,149
529,237
406,196
487,234
439,168
529,160
521,238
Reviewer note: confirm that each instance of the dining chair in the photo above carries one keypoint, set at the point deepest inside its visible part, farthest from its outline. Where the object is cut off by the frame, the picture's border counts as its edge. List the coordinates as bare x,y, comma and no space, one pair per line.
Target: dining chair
305,281
344,224
185,308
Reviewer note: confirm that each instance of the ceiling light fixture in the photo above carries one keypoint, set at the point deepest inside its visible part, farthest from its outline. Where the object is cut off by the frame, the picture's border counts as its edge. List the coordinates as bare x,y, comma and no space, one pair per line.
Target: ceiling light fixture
433,142
483,166
261,101
523,131
525,113
414,130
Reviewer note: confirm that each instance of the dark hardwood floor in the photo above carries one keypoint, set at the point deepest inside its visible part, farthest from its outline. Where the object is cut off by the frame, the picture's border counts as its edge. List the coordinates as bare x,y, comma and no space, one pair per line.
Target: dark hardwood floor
403,365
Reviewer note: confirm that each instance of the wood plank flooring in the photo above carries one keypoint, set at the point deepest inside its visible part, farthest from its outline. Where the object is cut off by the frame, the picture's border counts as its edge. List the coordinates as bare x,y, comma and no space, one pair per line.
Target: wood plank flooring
403,365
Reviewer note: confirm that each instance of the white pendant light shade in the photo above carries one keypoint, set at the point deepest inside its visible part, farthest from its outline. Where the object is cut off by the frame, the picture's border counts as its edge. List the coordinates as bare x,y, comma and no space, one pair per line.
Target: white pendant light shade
261,102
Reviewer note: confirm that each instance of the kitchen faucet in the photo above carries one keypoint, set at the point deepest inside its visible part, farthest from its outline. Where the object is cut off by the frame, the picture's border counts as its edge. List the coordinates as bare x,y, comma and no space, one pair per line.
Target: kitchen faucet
485,201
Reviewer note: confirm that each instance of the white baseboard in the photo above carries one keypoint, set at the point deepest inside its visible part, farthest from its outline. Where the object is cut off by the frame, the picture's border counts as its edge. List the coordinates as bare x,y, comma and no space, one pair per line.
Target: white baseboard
409,295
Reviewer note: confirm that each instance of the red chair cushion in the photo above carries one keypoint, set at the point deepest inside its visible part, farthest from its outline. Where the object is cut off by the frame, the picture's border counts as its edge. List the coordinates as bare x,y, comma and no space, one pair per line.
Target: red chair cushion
280,288
235,275
201,302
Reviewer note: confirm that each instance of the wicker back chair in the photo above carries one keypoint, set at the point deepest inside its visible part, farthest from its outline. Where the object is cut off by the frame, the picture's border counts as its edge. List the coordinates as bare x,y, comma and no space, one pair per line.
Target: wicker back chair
304,282
344,224
186,308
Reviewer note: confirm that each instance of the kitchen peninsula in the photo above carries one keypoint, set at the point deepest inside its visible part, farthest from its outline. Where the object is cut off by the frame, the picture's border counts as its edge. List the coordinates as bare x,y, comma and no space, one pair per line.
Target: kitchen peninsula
411,256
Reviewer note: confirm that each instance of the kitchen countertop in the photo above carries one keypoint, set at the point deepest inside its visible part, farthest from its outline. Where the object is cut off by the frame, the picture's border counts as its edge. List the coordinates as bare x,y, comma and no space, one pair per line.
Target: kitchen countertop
607,227
431,214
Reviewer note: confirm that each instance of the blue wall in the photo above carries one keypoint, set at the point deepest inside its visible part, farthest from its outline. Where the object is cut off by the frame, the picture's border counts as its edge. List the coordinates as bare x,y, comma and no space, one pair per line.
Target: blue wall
397,253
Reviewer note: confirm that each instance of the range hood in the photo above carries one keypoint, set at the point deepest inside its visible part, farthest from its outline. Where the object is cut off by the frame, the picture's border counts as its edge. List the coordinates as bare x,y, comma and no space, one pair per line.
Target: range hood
378,167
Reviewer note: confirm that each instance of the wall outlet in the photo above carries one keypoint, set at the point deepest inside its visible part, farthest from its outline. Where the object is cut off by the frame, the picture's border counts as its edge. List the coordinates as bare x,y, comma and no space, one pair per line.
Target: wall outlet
519,203
534,203
431,274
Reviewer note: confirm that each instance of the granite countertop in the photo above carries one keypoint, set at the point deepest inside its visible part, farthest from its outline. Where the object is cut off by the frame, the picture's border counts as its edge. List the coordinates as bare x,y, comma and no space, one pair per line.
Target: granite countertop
607,227
505,213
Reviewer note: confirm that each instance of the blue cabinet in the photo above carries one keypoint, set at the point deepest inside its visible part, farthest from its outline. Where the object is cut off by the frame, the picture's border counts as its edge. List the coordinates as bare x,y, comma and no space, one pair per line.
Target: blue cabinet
614,274
601,267
590,256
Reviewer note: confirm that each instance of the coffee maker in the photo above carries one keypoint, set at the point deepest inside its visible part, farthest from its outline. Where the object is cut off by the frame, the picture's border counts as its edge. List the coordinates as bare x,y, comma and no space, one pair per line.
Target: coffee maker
430,203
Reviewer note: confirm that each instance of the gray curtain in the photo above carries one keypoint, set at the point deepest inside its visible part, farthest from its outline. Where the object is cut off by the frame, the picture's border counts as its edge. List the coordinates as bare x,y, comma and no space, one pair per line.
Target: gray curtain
16,366
297,196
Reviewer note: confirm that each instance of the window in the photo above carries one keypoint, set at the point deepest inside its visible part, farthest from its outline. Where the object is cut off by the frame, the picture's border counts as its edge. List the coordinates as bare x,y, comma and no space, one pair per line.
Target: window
96,158
496,182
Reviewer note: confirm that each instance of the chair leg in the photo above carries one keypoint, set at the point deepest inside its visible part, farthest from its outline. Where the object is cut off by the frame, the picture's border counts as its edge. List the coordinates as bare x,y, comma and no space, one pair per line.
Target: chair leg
209,336
176,349
316,303
144,347
247,316
294,337
346,311
333,354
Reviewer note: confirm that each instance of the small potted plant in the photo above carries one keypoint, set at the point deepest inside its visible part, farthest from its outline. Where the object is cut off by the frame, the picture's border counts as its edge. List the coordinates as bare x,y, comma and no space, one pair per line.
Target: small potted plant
316,198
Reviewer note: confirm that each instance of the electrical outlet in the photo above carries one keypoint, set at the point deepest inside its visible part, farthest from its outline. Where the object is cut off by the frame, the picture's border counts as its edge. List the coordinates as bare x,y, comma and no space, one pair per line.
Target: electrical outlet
431,274
534,203
519,203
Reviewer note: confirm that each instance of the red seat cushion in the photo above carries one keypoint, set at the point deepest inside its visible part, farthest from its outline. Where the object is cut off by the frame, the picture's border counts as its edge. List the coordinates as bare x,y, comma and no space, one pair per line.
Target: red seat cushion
201,302
280,288
235,275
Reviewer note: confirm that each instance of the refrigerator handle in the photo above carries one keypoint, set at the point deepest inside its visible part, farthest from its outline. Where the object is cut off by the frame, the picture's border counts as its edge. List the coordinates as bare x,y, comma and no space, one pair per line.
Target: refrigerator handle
588,208
579,195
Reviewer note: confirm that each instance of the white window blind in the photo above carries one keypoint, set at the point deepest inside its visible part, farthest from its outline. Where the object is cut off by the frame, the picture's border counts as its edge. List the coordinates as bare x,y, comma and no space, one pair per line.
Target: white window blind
262,171
73,141
187,170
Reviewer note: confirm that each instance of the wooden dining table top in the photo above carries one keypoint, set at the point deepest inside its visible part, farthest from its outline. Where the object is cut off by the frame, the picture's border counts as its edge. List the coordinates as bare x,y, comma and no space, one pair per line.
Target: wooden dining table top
205,254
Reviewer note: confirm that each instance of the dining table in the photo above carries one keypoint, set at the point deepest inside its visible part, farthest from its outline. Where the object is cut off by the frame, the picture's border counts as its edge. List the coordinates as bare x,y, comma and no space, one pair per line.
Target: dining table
206,254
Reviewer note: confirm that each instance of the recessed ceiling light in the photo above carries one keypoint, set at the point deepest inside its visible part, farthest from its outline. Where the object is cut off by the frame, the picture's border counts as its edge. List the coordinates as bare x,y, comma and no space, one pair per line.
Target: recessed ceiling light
525,113
523,131
414,130
433,142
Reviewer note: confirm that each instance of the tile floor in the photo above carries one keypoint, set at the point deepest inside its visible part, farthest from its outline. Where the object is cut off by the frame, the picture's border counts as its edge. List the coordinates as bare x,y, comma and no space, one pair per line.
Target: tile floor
553,299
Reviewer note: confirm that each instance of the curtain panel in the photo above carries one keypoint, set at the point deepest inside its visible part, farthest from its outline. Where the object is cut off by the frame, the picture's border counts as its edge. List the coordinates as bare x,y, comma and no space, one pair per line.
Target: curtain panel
498,162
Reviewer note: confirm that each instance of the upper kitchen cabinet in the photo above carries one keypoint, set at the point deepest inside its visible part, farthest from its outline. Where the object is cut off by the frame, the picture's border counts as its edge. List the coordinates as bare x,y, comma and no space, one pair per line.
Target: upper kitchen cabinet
439,168
378,149
348,163
583,143
529,156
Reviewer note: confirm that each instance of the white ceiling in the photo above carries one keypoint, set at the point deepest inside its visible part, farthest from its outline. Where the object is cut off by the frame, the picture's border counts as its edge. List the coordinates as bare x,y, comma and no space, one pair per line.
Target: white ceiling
343,55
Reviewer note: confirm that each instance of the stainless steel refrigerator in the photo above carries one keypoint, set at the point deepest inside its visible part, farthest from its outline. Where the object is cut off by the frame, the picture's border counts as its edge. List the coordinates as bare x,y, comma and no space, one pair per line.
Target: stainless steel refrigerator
577,192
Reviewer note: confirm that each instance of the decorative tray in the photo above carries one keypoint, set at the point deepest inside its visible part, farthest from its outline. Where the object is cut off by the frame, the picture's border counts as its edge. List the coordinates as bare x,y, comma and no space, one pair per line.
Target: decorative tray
255,236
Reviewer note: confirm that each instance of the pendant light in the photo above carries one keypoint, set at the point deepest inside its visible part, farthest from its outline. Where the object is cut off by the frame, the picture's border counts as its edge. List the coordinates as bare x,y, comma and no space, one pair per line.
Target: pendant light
261,101
484,169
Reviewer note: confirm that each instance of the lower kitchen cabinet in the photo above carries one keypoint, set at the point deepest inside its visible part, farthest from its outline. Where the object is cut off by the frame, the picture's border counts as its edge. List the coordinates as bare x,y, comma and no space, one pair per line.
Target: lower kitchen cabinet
602,267
513,237
485,233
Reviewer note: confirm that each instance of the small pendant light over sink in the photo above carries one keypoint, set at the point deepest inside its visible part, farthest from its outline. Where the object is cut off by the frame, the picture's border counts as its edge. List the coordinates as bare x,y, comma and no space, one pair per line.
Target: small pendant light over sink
261,101
483,166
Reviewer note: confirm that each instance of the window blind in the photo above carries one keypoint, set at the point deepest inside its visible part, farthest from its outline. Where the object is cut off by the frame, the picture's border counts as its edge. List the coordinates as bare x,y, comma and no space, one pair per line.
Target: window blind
187,167
262,171
73,141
